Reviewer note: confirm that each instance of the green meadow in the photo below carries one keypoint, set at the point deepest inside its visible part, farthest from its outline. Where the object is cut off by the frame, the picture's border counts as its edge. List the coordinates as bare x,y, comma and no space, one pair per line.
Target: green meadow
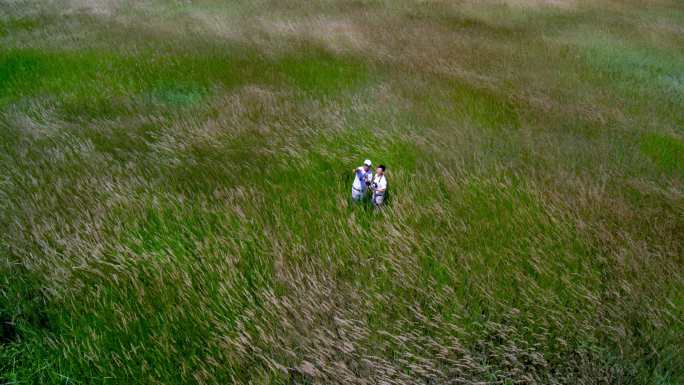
175,192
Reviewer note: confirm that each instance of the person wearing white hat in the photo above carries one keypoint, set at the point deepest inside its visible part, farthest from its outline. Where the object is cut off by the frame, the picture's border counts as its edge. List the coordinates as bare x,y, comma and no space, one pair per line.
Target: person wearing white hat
362,178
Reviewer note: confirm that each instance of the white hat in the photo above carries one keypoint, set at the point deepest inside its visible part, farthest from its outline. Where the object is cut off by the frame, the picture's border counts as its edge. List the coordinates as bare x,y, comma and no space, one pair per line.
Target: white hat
367,162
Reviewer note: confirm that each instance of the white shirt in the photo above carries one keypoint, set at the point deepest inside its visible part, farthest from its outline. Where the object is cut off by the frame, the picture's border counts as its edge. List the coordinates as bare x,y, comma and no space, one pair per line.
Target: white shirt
380,183
361,177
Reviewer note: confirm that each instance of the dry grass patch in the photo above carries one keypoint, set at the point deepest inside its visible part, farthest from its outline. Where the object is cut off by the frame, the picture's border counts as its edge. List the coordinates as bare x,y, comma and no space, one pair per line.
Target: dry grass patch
335,34
562,4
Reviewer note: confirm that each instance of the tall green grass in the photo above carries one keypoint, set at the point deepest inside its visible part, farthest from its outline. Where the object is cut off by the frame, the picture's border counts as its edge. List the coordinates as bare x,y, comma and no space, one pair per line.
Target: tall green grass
174,203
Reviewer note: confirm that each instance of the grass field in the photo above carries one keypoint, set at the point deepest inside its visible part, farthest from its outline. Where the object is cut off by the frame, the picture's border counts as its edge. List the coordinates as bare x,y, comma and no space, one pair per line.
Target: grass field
175,181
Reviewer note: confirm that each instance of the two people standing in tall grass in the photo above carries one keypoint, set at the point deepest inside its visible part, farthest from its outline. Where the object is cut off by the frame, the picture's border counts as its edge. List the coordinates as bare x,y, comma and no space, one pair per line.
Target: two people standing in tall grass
364,180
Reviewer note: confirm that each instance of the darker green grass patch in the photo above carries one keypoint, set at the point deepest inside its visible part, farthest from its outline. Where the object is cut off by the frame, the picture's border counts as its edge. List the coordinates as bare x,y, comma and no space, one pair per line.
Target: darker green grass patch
20,72
320,72
103,84
97,84
18,24
485,108
482,108
665,151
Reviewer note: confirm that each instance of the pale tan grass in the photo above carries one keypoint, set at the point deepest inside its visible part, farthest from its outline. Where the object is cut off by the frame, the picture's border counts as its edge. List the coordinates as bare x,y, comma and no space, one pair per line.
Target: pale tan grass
561,4
336,34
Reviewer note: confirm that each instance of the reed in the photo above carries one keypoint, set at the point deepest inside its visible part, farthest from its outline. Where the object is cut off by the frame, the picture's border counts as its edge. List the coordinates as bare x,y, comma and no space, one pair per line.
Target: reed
174,192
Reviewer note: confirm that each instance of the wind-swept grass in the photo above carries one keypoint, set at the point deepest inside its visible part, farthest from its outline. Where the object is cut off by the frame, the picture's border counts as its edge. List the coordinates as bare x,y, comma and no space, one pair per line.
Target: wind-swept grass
174,192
